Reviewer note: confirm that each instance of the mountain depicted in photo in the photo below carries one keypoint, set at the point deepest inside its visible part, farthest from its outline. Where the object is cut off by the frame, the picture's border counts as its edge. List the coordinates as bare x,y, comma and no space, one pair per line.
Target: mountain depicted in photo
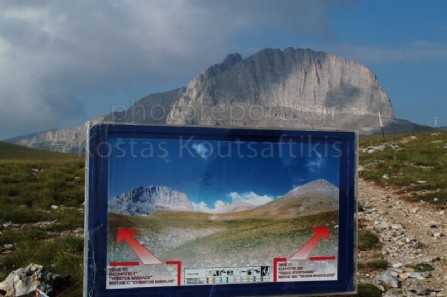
170,228
313,197
147,200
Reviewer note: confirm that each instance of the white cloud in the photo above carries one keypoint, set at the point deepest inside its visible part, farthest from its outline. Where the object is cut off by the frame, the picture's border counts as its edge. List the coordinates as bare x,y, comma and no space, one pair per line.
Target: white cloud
201,150
58,57
221,206
416,51
250,198
201,206
316,163
218,206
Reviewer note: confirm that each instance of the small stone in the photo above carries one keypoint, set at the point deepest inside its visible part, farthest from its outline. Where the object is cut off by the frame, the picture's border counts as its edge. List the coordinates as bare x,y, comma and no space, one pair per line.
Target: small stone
433,224
384,225
414,210
421,182
400,243
435,199
386,176
426,274
419,290
442,212
437,234
416,275
403,276
8,246
397,265
54,207
397,226
387,279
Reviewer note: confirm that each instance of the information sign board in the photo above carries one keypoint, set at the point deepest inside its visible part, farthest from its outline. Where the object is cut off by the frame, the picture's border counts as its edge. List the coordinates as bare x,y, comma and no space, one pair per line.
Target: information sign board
200,211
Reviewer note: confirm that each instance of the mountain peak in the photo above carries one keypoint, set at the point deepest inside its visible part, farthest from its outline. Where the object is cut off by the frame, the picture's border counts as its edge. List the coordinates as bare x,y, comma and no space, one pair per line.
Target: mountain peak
293,88
147,200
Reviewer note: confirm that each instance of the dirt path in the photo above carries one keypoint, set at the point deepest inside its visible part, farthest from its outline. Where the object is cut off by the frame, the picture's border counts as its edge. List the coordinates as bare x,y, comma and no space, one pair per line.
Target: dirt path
411,234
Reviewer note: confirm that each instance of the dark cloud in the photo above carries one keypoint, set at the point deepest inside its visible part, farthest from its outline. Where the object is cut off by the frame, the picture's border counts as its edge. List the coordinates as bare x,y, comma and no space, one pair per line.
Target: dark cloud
55,54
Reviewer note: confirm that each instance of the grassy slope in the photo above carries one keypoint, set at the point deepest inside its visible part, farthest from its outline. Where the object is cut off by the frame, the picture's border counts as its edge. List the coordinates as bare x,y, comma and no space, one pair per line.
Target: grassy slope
26,196
9,151
417,168
31,181
242,237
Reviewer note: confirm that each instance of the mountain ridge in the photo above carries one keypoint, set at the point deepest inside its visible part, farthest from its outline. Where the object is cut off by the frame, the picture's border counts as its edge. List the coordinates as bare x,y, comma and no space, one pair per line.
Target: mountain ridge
147,200
313,197
291,88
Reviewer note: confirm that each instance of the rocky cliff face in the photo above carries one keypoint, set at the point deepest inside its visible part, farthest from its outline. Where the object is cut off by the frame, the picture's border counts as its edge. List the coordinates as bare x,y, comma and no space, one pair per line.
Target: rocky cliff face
293,88
152,109
70,140
147,200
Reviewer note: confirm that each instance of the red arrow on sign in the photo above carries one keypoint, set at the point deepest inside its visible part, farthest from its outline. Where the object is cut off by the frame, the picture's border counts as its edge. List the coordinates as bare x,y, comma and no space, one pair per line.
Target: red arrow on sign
144,254
304,252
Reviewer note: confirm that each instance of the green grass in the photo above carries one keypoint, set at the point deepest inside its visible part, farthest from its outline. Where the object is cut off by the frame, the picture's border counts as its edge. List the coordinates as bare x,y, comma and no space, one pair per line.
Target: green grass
367,239
31,181
417,168
378,264
422,267
368,290
9,151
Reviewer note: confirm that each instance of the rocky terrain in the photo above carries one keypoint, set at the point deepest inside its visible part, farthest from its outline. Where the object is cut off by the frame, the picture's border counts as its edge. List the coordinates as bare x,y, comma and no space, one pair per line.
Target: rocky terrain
147,200
413,239
294,88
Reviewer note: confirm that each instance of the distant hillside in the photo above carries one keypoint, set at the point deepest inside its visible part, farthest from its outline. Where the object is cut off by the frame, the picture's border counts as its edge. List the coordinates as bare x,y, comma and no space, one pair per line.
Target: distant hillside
315,197
9,151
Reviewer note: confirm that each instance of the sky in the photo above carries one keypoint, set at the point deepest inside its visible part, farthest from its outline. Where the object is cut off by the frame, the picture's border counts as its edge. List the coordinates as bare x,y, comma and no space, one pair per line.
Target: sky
215,173
65,62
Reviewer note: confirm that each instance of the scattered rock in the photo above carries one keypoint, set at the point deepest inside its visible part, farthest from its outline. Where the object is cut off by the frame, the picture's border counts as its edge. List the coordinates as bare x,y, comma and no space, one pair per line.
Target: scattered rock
27,280
419,290
54,207
387,279
8,246
396,226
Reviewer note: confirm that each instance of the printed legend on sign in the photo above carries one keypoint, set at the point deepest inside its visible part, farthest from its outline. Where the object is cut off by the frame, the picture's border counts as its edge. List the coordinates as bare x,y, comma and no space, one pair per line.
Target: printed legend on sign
212,276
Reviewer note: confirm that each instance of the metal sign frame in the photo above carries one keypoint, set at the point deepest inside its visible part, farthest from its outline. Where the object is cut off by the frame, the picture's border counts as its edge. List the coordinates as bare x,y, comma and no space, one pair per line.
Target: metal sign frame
284,277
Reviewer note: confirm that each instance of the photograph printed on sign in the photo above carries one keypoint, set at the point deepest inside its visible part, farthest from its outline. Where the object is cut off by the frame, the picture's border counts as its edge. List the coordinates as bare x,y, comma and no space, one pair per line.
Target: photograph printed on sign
189,211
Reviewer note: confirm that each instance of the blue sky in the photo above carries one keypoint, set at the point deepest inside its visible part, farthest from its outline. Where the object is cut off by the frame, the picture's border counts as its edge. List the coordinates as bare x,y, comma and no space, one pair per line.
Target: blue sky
62,63
215,173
